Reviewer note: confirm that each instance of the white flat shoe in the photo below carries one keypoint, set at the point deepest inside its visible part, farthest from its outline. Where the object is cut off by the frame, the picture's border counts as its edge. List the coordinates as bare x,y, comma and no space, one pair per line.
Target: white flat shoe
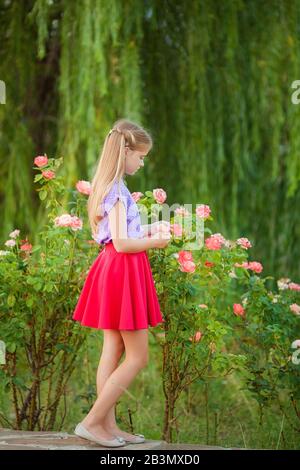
139,438
85,434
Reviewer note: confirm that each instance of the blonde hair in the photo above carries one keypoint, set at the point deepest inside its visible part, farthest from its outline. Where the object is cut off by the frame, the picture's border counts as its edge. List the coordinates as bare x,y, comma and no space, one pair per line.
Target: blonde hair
111,166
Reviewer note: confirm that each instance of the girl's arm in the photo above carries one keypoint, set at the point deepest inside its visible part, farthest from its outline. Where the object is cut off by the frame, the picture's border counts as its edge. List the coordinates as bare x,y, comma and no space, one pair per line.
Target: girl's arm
118,230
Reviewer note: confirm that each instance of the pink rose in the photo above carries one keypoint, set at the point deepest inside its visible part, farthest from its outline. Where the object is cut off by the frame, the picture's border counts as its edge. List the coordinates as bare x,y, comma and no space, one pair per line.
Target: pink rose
182,211
255,266
184,255
238,309
187,266
26,247
197,336
295,308
63,220
136,196
202,306
203,211
66,220
84,187
41,161
219,237
176,229
159,195
213,243
76,223
244,243
48,174
294,286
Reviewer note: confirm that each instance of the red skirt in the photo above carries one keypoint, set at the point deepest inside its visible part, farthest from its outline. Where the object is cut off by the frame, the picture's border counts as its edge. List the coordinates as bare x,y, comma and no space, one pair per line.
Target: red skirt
119,292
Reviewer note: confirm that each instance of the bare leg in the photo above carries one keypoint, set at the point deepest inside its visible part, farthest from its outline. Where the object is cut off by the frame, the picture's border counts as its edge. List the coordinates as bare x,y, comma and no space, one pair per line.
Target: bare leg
136,347
113,349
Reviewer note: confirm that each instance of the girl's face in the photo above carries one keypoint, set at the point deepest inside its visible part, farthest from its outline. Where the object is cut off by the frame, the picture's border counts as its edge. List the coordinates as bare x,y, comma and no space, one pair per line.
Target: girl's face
134,160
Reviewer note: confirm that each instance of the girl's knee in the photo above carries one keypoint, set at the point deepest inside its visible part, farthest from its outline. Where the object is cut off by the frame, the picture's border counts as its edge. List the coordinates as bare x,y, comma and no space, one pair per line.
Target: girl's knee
141,361
113,343
136,347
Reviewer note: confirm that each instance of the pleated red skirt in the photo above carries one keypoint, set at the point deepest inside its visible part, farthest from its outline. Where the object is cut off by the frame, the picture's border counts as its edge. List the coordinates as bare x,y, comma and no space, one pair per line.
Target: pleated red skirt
119,292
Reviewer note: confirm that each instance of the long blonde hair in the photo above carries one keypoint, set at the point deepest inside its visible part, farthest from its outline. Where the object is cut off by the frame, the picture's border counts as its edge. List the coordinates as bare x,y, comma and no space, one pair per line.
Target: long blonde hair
111,166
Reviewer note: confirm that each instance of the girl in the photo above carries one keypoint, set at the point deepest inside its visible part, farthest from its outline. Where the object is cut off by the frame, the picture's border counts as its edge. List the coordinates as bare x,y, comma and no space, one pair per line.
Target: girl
119,294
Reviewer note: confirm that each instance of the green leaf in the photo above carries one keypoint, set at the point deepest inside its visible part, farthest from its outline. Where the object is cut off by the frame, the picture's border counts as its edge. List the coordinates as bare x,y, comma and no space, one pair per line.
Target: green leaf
11,347
43,194
11,300
37,178
29,302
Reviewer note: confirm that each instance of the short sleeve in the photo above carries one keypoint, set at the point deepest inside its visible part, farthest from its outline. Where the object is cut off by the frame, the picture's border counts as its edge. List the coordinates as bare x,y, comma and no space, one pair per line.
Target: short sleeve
112,197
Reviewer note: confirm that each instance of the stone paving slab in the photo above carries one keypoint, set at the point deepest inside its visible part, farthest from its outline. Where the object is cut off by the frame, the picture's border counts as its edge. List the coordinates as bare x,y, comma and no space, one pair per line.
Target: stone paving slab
45,440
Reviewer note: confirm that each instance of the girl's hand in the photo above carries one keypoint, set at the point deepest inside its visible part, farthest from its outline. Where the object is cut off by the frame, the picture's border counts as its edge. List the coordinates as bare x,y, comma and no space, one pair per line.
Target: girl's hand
162,239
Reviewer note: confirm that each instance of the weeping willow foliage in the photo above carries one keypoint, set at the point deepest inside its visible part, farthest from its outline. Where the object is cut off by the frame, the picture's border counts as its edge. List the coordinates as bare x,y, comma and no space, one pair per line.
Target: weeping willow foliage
212,80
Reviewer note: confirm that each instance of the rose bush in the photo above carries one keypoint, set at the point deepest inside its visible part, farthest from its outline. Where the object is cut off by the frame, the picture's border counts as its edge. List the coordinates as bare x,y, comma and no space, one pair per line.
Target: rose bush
219,313
220,316
39,286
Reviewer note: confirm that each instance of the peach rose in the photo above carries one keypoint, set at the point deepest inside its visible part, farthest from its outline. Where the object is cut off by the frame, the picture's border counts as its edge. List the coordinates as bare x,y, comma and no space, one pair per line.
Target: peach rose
41,161
48,174
255,266
26,247
238,309
197,337
83,187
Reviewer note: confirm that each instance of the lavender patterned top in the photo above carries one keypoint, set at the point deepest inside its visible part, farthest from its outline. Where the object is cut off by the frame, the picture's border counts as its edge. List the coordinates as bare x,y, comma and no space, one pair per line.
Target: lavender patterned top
134,228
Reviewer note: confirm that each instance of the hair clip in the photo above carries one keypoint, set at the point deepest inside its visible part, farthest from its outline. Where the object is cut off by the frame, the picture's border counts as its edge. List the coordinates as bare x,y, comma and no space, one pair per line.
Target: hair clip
118,130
